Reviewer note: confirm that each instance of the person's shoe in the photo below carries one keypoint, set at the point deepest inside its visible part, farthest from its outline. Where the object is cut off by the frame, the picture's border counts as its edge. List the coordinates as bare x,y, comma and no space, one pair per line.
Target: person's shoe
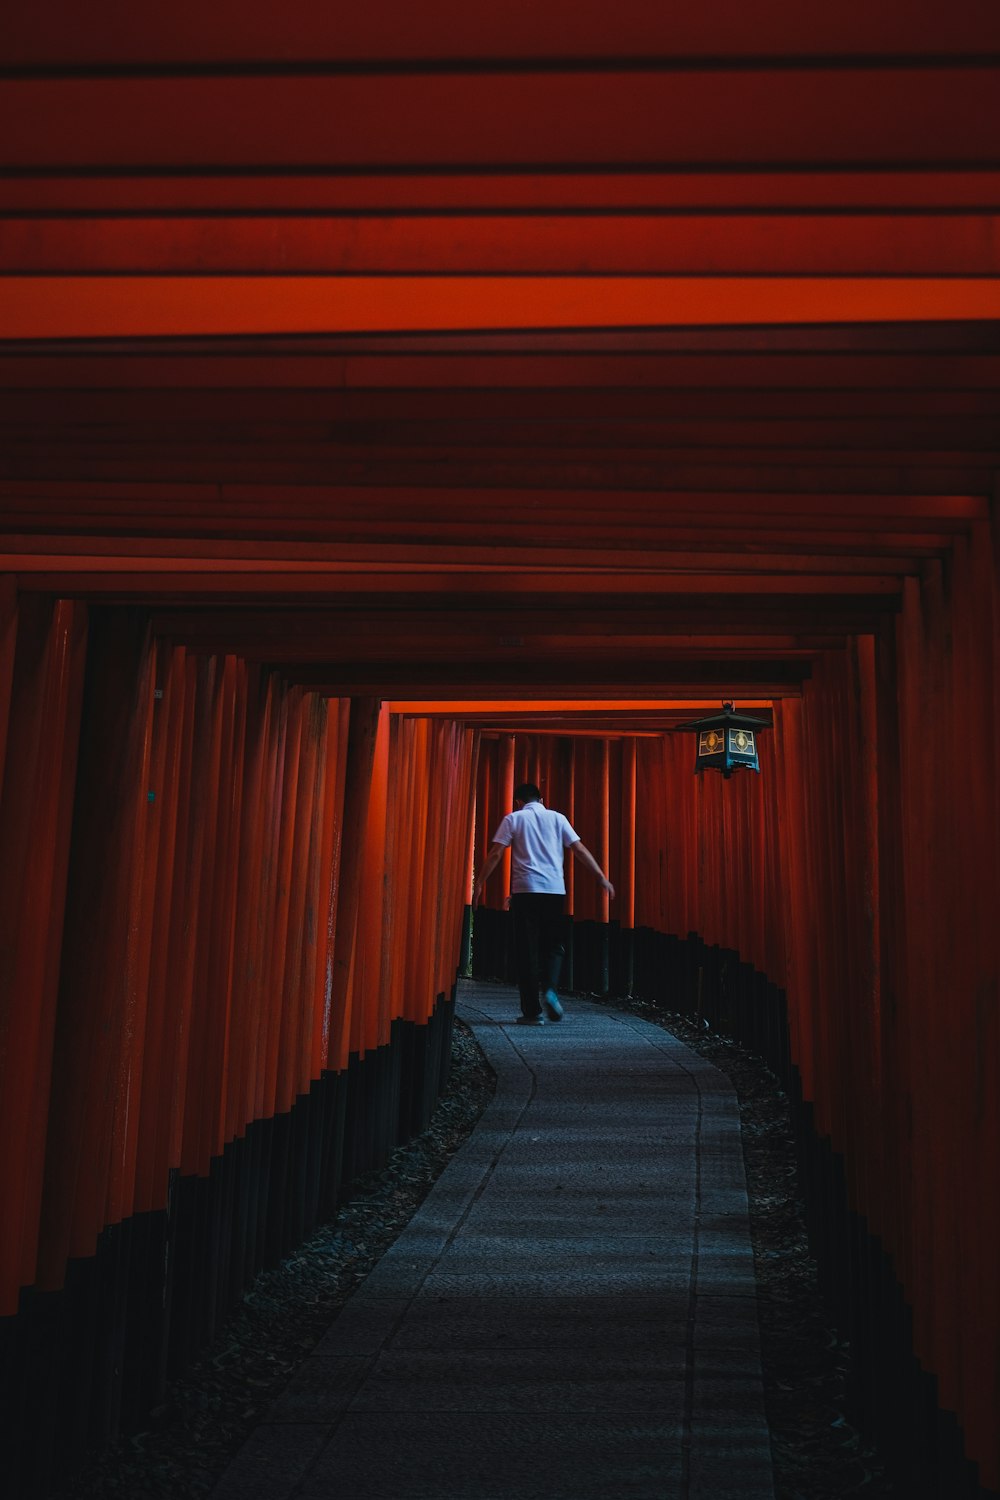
531,1021
553,1008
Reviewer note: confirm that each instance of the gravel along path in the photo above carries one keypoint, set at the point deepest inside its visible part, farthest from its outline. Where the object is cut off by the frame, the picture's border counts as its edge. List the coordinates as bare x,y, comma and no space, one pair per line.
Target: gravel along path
207,1415
818,1454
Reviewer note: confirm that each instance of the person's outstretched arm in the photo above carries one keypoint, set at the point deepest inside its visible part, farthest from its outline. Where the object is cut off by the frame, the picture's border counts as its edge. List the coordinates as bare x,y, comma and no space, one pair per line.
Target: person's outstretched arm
583,854
496,854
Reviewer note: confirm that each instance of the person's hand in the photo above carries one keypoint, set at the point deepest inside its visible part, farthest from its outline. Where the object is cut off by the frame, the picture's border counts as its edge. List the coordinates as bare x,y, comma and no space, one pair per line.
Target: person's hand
609,888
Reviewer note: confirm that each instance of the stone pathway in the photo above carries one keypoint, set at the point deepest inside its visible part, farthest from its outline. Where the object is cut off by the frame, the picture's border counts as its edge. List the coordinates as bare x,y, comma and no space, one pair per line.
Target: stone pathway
570,1314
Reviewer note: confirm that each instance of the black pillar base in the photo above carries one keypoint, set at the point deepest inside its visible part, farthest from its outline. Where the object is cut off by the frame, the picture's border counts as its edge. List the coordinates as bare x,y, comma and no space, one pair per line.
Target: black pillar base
84,1364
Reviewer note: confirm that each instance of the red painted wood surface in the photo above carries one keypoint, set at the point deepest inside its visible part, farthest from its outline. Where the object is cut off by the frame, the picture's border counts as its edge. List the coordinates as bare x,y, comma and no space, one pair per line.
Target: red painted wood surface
847,116
447,29
548,371
35,816
109,307
206,906
578,244
859,873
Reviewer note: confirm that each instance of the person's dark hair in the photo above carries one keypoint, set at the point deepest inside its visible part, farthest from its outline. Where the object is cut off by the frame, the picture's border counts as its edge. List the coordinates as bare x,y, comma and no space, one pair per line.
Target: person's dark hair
527,792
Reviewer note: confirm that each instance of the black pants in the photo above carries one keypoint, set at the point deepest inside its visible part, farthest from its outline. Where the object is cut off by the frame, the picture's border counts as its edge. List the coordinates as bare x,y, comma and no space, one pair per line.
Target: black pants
538,944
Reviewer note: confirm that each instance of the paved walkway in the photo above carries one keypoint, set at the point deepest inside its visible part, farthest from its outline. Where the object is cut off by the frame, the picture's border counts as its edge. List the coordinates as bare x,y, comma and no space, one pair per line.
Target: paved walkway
571,1314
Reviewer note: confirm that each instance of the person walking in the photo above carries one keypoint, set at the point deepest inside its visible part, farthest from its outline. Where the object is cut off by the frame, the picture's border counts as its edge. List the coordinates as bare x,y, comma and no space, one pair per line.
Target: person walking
538,838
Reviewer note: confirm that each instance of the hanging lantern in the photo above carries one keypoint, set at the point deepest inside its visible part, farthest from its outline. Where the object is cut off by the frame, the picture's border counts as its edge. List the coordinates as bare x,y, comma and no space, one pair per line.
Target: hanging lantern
726,741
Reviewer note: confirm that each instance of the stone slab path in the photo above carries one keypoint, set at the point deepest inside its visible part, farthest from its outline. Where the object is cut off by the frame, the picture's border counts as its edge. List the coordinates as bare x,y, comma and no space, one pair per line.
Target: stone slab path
570,1315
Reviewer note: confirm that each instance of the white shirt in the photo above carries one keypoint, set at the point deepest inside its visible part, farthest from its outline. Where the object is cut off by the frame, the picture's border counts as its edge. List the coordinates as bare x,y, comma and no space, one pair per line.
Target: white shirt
538,839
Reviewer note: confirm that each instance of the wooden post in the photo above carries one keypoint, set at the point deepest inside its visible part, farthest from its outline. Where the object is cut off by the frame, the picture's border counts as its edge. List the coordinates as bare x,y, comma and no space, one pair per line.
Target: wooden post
35,820
357,791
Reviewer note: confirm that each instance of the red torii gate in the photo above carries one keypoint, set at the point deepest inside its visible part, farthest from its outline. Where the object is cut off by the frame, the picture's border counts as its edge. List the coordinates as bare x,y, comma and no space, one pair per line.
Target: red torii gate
374,384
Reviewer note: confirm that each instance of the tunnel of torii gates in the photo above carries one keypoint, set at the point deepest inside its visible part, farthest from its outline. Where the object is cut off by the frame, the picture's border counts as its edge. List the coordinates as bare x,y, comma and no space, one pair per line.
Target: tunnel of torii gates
401,401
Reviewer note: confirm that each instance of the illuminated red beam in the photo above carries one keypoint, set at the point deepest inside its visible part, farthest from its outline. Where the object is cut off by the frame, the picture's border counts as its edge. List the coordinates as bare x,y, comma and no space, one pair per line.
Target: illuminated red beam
39,307
562,244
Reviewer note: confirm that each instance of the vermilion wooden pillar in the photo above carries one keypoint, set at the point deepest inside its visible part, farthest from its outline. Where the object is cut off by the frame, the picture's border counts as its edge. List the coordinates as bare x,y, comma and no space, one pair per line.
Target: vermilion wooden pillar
204,869
184,879
357,790
8,643
976,591
296,989
568,793
624,866
142,832
89,1053
250,854
416,886
404,842
472,813
335,769
624,881
317,853
163,1005
505,790
368,1002
485,780
45,690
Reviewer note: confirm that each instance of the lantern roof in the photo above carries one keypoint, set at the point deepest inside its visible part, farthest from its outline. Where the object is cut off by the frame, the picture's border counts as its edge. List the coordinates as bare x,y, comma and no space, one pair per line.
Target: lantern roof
727,719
